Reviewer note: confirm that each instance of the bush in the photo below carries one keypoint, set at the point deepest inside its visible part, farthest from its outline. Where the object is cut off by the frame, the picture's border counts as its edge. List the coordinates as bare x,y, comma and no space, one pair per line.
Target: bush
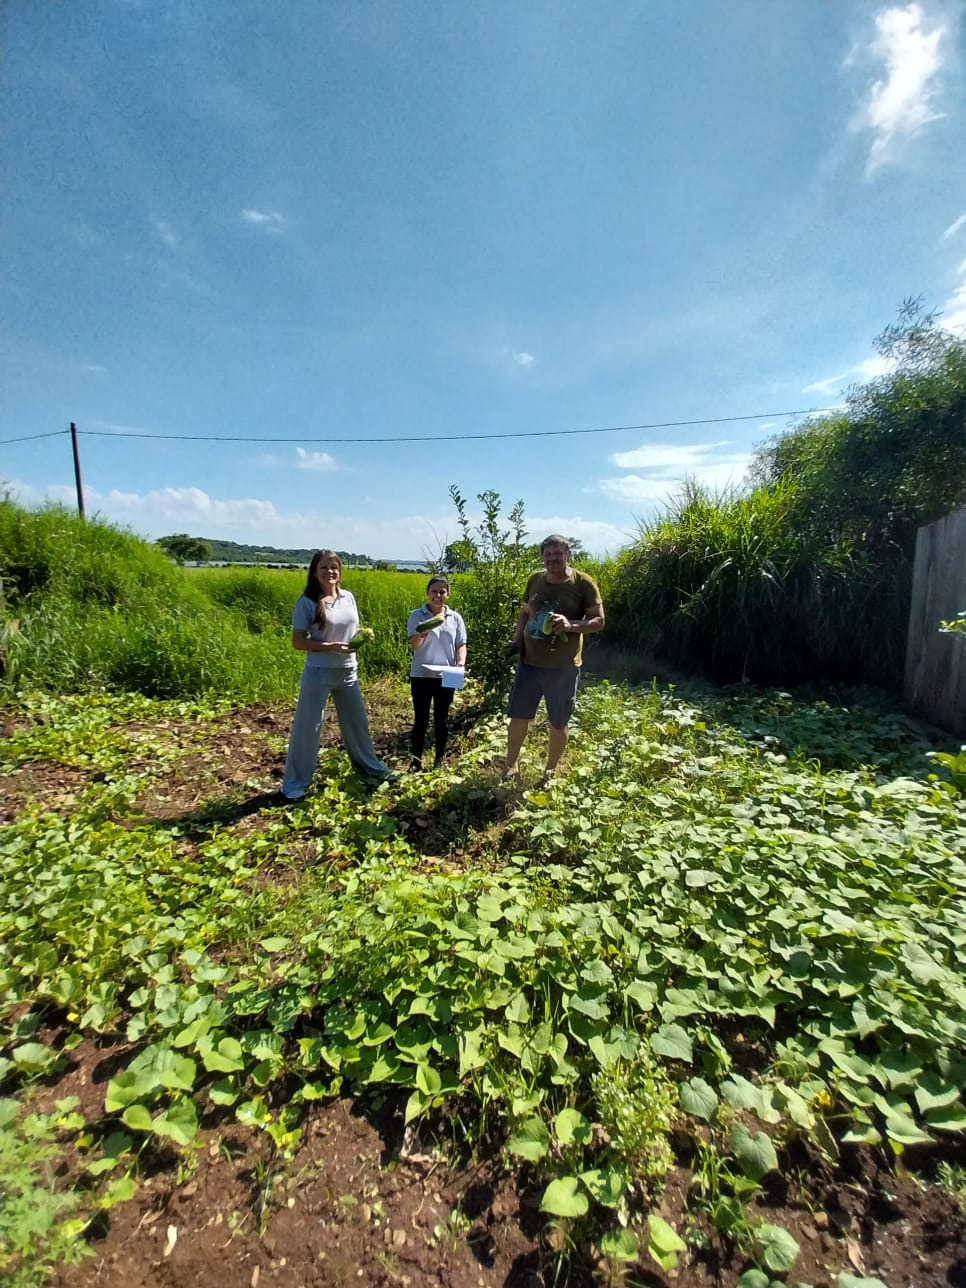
491,593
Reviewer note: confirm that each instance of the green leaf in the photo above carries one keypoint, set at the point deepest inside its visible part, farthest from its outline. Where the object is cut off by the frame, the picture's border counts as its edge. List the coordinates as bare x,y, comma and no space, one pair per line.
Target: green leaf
471,1053
531,1140
902,1127
756,1154
519,1009
779,1250
643,993
698,877
9,1110
226,1057
588,1001
137,1118
699,1098
489,908
223,1092
605,1184
33,1057
119,1191
563,1197
121,1092
428,1080
572,1128
179,1122
671,1040
922,967
619,1245
753,1279
845,1280
416,1106
664,1243
950,1118
741,1094
932,1093
276,944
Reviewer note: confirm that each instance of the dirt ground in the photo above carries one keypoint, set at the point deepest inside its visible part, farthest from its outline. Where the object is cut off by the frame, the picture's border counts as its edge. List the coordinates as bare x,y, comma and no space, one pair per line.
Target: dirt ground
364,1202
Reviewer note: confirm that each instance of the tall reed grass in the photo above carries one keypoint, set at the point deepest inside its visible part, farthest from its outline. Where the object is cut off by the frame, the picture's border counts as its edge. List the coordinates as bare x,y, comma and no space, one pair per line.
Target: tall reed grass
730,586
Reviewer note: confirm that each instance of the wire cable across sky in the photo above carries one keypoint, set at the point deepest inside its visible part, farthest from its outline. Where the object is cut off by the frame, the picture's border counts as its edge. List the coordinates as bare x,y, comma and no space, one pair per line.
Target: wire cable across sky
425,438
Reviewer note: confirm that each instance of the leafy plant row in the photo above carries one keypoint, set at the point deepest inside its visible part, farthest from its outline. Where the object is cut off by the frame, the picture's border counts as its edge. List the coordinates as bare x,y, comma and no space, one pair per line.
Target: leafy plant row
696,925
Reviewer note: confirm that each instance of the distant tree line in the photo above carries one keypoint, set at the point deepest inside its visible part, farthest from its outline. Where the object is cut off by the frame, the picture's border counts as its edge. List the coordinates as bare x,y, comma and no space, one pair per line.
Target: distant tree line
185,549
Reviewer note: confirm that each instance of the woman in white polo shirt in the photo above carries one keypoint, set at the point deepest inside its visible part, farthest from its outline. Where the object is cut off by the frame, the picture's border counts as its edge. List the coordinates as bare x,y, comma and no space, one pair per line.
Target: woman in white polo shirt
324,620
443,645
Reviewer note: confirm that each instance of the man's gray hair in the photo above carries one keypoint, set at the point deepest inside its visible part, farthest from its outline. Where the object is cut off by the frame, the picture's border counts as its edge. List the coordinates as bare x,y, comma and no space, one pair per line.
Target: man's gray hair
555,539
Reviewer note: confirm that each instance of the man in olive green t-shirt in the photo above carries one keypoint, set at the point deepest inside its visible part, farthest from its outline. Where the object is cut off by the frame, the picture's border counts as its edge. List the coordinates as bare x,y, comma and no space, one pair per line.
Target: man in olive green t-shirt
560,607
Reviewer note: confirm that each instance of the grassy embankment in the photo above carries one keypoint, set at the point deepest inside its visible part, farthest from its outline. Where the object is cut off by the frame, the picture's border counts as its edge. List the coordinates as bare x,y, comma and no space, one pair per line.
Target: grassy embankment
96,608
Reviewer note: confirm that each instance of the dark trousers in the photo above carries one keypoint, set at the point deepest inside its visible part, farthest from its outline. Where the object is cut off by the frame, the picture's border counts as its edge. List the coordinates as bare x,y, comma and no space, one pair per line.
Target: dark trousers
425,692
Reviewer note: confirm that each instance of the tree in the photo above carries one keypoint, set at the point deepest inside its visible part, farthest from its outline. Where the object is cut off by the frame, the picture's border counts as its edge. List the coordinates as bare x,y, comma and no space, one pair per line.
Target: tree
490,597
458,556
184,549
894,458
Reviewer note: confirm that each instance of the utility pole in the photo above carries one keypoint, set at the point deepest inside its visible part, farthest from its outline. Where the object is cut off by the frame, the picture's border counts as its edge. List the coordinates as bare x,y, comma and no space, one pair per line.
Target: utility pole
77,473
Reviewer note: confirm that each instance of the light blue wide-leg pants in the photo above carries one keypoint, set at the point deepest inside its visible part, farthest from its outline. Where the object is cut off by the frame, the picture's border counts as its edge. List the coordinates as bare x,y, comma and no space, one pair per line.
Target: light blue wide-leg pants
317,683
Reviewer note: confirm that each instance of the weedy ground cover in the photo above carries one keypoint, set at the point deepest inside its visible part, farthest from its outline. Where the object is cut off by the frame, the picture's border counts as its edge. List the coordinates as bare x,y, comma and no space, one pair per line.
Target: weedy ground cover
728,939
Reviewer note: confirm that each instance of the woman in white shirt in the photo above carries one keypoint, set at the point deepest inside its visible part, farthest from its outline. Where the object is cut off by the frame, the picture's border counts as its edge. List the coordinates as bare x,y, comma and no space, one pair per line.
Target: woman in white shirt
443,645
324,620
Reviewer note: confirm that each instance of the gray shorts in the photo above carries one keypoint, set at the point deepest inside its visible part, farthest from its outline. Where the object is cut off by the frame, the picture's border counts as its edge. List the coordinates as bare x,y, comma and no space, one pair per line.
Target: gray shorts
557,685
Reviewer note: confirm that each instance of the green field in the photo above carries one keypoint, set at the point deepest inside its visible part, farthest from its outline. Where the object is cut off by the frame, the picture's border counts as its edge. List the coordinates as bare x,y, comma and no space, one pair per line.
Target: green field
735,923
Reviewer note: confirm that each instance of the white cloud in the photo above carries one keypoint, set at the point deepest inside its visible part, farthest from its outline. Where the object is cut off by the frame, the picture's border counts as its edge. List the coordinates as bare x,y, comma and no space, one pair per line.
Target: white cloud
899,105
269,221
954,227
166,233
596,536
314,460
668,465
954,310
523,359
677,458
867,369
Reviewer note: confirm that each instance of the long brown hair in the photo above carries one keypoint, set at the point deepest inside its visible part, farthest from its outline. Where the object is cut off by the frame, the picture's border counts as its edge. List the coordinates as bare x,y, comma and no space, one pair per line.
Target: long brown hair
312,588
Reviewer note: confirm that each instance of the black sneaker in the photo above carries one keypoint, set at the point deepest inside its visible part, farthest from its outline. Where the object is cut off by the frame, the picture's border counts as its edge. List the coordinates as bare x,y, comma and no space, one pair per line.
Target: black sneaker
438,762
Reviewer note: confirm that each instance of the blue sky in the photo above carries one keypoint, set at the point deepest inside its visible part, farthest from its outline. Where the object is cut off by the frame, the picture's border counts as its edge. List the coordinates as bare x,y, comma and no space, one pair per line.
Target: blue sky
328,221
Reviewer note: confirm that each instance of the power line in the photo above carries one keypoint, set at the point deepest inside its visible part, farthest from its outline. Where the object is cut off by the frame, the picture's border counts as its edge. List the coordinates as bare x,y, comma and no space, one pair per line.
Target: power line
449,438
425,438
54,433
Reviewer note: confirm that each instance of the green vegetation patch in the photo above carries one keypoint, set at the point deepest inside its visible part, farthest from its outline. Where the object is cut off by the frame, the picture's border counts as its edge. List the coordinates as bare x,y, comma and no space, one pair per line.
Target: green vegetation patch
698,927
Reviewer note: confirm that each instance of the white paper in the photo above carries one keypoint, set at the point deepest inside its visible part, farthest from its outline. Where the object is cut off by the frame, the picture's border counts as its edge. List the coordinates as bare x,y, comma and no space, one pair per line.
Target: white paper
453,677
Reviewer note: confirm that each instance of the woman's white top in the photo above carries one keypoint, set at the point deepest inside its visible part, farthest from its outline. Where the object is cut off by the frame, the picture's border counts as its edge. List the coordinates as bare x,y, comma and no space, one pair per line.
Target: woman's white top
341,623
441,642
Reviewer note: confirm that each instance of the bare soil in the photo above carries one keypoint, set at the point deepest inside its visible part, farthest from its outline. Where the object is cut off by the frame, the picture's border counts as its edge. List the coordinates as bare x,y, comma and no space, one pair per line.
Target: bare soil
362,1201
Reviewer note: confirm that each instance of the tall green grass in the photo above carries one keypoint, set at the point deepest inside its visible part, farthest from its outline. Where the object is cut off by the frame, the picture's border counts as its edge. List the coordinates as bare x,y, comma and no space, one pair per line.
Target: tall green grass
730,586
89,606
